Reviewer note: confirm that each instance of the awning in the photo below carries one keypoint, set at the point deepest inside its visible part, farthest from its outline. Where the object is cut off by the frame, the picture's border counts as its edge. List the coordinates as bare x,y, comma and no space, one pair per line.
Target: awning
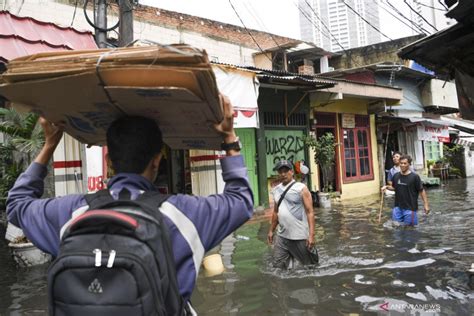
460,124
416,120
427,129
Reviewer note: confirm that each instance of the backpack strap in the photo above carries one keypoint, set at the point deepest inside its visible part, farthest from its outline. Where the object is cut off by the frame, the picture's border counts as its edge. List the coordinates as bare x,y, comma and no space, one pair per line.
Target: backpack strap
99,198
152,200
282,197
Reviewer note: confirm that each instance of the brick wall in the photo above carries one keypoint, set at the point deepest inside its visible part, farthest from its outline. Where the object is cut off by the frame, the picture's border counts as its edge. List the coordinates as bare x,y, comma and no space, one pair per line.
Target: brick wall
224,42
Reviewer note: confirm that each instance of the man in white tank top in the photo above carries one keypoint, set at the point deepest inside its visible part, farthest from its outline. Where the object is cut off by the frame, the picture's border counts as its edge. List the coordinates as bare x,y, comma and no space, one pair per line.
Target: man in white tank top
294,217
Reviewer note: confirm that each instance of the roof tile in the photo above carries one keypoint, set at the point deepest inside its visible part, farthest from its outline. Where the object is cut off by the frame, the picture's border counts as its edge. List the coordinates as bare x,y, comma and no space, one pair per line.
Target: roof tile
20,36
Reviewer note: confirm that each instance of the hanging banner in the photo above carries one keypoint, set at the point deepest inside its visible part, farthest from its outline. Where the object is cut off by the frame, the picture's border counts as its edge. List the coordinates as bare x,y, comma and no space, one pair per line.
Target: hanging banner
95,176
241,87
431,133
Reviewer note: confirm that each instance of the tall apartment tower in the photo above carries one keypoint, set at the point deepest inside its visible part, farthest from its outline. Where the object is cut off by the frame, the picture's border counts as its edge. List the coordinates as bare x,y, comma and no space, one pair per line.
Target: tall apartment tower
331,24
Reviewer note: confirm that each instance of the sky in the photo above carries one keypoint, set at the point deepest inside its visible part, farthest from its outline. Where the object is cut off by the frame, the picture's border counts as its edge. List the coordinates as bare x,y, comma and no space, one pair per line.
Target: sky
275,16
279,17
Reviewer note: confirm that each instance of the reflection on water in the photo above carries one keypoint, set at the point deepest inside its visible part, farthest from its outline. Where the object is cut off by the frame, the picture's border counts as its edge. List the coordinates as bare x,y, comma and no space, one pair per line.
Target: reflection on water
365,268
363,265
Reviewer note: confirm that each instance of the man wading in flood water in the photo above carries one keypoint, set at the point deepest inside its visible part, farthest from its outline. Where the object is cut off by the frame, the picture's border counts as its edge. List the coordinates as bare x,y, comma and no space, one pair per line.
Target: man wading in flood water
407,185
293,213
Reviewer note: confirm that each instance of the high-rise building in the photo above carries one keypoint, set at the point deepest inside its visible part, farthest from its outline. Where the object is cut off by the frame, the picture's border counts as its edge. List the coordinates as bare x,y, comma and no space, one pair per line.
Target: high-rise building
333,24
427,16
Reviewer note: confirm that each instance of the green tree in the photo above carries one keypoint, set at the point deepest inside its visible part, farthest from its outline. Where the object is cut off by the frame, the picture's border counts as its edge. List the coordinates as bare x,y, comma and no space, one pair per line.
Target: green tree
23,138
324,154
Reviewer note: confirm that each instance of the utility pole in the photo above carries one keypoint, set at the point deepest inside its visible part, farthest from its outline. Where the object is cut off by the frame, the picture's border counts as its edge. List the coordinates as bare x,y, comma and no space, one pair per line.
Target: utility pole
126,22
101,22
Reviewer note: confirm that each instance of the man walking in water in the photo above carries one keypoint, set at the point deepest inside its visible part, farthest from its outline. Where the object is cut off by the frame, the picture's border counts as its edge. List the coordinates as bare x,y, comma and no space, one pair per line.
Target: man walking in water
396,167
407,186
293,213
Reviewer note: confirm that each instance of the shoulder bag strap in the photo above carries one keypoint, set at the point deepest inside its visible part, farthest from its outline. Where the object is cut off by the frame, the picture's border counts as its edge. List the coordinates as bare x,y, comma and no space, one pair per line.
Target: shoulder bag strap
282,197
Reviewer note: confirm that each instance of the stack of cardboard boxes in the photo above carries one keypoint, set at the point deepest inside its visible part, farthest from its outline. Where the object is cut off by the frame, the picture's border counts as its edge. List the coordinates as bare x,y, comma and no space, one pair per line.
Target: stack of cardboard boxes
87,90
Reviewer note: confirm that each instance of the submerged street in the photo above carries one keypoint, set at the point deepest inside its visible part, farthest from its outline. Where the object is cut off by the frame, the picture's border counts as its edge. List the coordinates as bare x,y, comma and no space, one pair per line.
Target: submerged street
364,267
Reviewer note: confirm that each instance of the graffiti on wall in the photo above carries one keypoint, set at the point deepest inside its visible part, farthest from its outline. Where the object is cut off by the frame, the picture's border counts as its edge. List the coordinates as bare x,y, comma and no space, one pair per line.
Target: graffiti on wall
280,145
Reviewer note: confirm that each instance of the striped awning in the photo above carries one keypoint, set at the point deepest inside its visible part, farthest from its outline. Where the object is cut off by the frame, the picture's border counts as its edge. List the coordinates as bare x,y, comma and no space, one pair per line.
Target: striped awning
463,142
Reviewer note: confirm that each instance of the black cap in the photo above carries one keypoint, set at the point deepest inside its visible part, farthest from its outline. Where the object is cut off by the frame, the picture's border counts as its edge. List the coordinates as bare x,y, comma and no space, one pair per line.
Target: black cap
283,164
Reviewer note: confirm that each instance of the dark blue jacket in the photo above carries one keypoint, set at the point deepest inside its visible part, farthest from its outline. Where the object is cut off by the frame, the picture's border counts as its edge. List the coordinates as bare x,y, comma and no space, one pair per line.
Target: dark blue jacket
196,224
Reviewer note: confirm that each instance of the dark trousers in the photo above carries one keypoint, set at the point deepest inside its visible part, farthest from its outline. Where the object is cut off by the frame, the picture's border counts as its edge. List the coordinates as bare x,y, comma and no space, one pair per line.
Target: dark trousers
286,249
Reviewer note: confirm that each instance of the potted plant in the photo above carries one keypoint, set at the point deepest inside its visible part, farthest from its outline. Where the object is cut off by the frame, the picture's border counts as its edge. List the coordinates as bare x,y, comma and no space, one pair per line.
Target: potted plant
324,155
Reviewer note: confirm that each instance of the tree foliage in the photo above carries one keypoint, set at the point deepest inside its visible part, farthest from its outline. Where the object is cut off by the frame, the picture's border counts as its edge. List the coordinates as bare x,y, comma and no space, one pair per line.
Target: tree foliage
23,138
324,155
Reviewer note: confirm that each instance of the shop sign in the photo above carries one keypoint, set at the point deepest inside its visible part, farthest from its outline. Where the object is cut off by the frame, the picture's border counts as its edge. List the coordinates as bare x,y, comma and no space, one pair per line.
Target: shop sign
348,120
433,134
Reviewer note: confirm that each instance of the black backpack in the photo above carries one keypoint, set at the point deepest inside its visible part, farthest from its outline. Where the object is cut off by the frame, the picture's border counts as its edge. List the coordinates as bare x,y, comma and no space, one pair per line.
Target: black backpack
116,259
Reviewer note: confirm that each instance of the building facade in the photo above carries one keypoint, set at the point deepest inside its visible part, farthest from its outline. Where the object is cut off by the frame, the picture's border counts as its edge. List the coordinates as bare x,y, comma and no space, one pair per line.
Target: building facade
334,26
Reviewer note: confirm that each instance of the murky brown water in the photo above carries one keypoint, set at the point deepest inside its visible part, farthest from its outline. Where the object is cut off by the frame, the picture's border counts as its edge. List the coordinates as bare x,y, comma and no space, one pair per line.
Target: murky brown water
363,266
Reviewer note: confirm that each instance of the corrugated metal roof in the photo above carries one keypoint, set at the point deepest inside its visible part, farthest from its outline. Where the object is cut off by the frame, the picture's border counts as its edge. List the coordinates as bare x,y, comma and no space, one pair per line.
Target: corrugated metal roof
20,36
281,75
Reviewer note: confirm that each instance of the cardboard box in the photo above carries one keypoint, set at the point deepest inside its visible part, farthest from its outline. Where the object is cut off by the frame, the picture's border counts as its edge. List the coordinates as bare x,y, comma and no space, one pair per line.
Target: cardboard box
174,85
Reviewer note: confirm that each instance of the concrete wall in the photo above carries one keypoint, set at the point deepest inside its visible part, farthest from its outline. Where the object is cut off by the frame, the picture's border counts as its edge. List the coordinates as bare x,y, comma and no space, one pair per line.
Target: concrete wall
357,189
371,54
469,158
223,42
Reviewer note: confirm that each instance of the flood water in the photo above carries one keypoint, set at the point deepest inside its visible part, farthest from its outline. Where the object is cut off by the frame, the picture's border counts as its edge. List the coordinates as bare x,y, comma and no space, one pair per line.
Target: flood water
364,267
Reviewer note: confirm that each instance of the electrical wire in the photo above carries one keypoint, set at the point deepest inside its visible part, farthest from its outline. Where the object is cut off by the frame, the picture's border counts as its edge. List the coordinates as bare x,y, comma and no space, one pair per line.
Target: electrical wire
74,14
254,40
443,5
260,22
429,6
408,19
312,22
421,16
359,15
322,21
305,14
93,24
399,19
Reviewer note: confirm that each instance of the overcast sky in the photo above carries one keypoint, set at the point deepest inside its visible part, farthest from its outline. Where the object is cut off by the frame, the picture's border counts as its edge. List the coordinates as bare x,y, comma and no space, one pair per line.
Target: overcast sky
274,16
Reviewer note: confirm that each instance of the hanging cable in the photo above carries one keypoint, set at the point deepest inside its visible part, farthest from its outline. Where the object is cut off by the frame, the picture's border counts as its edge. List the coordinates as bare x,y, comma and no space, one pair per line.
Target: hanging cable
339,44
93,24
254,40
321,20
260,23
443,5
305,14
363,19
74,14
408,19
399,19
429,6
421,16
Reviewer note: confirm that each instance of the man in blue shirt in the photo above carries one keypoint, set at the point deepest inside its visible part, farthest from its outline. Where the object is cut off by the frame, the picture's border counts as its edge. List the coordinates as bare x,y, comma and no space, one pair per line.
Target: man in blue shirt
196,224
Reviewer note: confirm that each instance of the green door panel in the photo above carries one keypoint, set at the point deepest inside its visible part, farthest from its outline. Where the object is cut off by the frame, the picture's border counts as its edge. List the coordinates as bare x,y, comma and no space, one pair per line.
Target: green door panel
247,137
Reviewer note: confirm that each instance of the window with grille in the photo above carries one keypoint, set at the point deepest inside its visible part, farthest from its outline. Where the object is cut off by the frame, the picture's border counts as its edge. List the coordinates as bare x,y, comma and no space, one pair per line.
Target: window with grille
357,161
278,119
432,150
